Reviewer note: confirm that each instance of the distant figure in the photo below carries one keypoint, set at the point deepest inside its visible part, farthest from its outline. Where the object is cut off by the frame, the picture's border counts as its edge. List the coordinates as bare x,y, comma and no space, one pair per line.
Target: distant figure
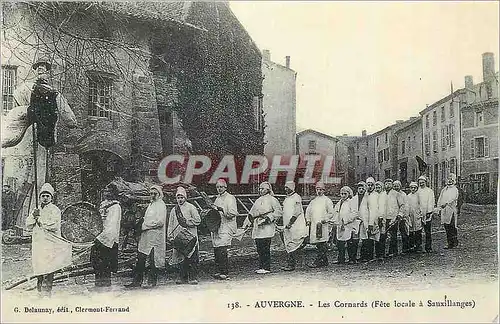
426,201
152,241
8,205
104,252
345,220
225,203
447,204
415,220
319,218
369,232
183,223
262,217
295,229
49,251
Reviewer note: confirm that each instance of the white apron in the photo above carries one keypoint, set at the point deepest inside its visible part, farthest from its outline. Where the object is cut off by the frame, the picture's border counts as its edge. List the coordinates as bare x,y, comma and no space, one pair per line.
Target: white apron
153,235
319,209
228,225
193,219
414,212
294,237
262,205
448,196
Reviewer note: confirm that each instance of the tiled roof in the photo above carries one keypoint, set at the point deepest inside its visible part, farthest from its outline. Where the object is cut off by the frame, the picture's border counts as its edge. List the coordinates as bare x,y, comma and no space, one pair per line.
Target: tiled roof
175,11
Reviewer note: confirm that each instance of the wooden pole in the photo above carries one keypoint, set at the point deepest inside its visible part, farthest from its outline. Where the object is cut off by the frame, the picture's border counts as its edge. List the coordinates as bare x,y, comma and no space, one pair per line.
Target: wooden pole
35,173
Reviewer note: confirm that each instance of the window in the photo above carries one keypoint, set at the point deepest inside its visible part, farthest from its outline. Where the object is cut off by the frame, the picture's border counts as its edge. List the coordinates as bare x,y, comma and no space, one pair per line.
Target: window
480,182
386,137
100,92
257,113
386,154
427,144
9,77
403,147
366,160
447,135
387,173
434,142
453,165
434,118
409,143
479,147
427,121
311,145
451,127
357,145
357,160
443,139
452,111
380,156
489,90
478,120
443,116
443,171
377,140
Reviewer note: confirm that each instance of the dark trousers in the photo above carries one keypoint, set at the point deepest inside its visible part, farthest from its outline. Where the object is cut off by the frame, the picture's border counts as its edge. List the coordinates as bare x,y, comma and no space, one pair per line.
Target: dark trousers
405,238
428,236
140,268
189,267
104,260
264,250
367,246
393,242
352,249
380,245
451,233
292,258
48,279
322,250
415,241
221,259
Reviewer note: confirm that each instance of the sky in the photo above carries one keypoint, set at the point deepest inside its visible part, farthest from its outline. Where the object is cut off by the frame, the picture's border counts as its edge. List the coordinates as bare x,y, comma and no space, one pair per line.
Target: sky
364,65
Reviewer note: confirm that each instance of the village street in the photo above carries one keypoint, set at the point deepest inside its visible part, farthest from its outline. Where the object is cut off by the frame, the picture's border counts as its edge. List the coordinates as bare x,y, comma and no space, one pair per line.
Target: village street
474,261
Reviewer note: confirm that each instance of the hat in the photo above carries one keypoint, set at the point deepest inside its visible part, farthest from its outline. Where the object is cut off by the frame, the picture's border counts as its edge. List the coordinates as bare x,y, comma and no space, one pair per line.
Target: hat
452,177
159,189
267,185
290,185
422,177
181,192
370,180
40,61
397,182
388,180
221,182
380,183
47,187
320,184
361,183
413,184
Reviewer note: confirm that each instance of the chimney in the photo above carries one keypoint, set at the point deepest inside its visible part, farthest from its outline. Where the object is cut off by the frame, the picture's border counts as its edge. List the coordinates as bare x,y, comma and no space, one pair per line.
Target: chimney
488,66
363,132
469,82
266,55
287,59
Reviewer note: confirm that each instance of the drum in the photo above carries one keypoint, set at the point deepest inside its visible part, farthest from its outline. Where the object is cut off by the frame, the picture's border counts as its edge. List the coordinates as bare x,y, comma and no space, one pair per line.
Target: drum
184,242
213,220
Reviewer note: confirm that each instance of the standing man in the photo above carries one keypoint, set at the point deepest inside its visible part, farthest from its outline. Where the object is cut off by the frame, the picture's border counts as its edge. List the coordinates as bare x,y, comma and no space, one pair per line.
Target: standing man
104,252
50,252
447,204
263,214
319,214
403,221
394,211
183,222
152,241
225,203
415,219
359,208
426,201
295,230
8,205
345,220
369,230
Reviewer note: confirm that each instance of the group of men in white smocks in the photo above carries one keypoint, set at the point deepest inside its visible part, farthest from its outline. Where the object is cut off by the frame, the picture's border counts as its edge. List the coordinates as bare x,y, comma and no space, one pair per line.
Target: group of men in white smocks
371,216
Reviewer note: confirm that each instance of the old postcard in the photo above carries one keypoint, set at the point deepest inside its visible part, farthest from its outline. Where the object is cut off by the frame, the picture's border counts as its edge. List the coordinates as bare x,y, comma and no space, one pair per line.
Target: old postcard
249,161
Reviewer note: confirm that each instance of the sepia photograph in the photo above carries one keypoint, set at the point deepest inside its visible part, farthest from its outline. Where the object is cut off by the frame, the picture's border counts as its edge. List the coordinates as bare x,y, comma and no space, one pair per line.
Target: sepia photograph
249,161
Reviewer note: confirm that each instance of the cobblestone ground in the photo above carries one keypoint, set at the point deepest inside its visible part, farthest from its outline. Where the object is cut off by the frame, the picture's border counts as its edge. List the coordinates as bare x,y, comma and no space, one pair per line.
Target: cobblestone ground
475,260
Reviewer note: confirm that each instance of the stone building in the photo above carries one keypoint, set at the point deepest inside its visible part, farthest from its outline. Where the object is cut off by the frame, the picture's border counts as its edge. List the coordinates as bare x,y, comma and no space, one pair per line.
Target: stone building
409,140
144,80
479,157
364,162
279,106
441,138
